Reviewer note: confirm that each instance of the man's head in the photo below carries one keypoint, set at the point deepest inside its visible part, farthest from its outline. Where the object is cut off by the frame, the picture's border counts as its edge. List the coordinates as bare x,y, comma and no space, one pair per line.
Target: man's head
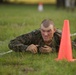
47,30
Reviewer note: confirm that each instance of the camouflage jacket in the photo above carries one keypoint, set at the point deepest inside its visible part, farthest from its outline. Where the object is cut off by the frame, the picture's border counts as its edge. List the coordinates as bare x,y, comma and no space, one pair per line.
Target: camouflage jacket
20,43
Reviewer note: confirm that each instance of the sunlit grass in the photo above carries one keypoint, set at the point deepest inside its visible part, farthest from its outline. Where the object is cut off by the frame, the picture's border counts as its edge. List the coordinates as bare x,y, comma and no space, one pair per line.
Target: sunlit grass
16,20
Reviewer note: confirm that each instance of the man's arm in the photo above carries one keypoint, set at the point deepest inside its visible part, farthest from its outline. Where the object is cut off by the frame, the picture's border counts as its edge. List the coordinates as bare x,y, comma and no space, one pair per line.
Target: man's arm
18,44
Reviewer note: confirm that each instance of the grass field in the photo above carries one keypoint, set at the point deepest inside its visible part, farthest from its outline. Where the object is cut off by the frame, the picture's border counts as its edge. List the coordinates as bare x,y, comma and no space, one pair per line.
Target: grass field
19,19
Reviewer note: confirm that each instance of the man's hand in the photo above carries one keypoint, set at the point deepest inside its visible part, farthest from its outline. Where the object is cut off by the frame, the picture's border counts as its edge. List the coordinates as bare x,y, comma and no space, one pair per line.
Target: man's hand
32,48
45,49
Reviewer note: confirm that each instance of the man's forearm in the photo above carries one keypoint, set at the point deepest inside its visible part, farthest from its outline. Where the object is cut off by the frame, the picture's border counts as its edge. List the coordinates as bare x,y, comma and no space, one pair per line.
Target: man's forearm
18,47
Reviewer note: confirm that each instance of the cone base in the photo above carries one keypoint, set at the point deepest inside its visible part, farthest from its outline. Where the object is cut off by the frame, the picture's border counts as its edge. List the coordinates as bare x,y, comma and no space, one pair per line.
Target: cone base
71,60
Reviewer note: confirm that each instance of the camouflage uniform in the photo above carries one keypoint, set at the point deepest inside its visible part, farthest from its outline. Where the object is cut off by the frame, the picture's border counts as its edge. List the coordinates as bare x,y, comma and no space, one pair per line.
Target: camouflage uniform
20,43
74,43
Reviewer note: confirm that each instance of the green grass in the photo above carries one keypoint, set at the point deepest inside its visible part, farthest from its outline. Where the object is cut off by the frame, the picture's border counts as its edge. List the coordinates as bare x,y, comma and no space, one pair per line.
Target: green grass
19,19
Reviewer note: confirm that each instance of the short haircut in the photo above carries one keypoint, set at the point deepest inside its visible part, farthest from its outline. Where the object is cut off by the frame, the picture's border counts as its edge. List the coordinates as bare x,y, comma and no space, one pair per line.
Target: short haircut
47,22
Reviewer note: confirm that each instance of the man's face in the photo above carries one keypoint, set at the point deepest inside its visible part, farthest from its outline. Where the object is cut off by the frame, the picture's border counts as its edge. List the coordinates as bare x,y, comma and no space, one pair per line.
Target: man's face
47,33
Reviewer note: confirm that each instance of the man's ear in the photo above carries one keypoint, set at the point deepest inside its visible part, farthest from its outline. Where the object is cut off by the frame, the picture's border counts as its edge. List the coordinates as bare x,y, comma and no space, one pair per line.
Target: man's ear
54,29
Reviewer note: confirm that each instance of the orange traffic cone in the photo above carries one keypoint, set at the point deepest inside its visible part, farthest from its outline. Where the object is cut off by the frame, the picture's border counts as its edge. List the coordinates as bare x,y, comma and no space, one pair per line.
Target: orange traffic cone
40,7
65,50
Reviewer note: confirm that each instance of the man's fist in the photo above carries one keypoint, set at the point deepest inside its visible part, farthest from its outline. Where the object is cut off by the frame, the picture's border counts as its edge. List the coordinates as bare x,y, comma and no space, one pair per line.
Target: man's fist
45,49
32,48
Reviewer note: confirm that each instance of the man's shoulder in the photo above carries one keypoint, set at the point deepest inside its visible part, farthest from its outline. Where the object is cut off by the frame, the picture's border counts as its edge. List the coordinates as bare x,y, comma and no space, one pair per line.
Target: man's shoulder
31,33
57,34
36,31
58,31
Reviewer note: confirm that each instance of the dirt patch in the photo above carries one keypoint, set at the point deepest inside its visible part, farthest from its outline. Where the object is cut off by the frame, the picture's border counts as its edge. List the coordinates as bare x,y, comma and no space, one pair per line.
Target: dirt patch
28,69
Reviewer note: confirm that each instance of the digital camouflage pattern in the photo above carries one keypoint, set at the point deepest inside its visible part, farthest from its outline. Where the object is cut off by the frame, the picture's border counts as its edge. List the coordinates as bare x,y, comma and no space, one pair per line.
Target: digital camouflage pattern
20,43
